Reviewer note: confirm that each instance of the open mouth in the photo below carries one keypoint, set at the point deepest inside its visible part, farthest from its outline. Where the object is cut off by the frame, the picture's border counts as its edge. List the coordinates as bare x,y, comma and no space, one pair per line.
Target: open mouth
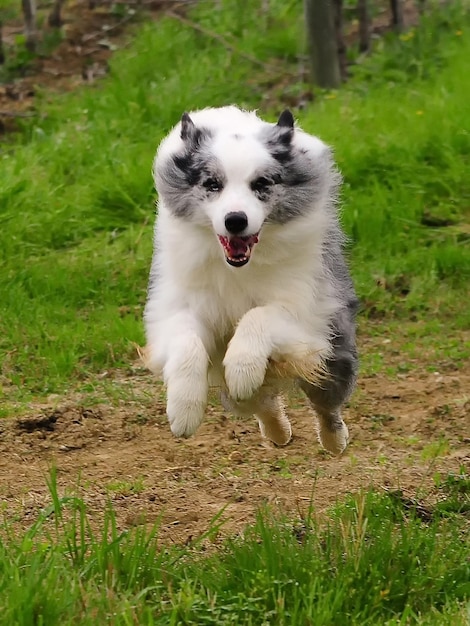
238,249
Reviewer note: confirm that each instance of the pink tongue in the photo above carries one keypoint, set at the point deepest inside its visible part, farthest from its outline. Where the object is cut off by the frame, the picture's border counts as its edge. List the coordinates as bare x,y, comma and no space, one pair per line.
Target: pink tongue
237,245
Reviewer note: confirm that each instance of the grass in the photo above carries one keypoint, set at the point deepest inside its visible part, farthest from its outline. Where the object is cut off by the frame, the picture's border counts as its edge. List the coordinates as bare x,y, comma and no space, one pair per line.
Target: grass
76,196
76,213
374,559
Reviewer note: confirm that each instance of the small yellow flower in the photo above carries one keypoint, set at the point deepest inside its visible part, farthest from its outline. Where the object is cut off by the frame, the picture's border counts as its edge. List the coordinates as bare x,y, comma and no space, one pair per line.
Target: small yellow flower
330,96
407,36
419,112
458,33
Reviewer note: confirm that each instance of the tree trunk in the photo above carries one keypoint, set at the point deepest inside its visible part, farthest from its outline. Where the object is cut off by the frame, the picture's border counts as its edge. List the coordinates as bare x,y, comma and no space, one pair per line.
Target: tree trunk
396,7
340,42
55,18
29,12
364,25
2,53
321,35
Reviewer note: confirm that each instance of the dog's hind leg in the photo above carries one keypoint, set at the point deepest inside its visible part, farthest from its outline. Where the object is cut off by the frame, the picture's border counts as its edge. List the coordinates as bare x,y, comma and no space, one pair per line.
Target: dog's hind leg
273,421
268,409
327,401
328,397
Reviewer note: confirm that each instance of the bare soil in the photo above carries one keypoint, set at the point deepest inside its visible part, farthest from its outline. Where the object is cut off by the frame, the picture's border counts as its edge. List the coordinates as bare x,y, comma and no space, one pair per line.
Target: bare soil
404,429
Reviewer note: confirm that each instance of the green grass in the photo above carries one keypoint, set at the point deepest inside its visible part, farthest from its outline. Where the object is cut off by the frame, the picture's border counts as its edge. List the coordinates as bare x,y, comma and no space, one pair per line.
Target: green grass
374,559
76,196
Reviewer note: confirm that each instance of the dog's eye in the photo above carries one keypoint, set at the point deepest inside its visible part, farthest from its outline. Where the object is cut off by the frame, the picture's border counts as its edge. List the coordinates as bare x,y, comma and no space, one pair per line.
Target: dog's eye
213,185
261,184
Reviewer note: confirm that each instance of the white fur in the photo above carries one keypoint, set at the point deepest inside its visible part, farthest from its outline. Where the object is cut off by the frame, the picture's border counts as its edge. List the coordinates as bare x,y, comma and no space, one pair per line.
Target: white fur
206,320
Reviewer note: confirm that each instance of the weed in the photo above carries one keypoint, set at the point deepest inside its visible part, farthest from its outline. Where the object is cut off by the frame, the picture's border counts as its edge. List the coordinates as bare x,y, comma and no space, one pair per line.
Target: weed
372,559
126,488
435,449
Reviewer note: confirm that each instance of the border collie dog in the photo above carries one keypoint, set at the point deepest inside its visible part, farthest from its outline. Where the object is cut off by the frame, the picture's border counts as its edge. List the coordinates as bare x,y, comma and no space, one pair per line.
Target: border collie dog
249,286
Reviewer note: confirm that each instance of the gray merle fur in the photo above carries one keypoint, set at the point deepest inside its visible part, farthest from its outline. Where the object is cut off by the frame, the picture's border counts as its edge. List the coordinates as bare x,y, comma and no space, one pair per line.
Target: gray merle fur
301,182
181,176
343,364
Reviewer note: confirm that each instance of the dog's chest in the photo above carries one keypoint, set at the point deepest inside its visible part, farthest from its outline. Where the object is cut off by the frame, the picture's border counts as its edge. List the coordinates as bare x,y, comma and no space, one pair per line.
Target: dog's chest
221,299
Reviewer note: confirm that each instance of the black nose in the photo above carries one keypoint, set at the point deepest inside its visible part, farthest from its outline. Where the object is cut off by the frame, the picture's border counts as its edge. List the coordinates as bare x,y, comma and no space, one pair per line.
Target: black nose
236,222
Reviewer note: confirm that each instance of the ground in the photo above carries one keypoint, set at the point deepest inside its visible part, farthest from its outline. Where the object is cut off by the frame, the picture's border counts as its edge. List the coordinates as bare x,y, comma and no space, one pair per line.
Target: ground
405,428
408,420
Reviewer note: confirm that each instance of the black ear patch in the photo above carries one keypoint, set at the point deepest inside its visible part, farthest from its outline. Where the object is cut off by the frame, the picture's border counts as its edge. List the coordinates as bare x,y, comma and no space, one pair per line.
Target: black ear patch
286,119
188,130
285,128
189,163
192,135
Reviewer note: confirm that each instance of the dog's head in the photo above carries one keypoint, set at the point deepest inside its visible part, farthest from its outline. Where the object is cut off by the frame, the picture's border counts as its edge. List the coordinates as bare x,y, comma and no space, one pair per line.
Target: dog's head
228,170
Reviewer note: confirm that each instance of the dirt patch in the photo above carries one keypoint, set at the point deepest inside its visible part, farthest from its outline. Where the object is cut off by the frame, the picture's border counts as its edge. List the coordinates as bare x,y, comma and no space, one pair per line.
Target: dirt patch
404,429
77,54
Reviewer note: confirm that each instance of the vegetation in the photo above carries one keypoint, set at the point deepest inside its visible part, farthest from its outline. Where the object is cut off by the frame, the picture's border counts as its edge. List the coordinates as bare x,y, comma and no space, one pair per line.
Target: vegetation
377,560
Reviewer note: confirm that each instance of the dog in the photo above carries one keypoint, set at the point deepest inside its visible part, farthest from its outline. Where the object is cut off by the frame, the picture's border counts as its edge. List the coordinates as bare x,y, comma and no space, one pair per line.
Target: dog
248,284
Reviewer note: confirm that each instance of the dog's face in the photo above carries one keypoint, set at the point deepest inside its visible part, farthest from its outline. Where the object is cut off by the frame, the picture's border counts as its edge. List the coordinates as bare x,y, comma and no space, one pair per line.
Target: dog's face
234,179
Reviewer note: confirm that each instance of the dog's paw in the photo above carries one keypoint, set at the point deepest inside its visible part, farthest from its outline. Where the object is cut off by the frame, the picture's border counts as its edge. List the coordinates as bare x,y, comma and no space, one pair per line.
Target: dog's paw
244,374
273,421
278,431
185,415
334,440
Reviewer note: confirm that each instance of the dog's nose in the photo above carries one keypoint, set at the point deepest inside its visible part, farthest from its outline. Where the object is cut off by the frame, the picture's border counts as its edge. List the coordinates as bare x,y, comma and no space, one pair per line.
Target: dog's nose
236,222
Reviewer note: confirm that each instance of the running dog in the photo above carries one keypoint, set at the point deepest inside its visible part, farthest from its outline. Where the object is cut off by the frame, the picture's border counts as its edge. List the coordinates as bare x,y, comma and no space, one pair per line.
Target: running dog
248,285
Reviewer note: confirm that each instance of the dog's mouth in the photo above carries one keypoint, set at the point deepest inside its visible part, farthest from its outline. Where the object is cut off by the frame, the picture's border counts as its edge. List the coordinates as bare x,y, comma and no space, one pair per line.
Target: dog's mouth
238,249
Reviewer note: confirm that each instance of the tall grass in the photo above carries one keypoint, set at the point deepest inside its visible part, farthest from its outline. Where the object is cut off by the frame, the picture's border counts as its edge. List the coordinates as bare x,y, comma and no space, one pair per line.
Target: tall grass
370,561
76,196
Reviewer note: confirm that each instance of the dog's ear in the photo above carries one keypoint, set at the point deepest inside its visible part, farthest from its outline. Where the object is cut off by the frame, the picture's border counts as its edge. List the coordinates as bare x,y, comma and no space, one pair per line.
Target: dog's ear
285,125
191,134
188,130
286,119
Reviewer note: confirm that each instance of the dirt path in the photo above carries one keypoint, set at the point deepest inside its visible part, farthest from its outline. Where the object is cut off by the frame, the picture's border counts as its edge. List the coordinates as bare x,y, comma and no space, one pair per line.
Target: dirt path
404,429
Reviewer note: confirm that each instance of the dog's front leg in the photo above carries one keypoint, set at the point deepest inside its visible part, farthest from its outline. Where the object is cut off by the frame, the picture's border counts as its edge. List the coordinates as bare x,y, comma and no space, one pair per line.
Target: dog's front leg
247,355
177,348
263,332
185,376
